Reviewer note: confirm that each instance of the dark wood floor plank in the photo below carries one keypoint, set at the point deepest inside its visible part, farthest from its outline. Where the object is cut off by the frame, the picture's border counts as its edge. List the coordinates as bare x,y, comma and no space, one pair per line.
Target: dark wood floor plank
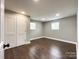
43,48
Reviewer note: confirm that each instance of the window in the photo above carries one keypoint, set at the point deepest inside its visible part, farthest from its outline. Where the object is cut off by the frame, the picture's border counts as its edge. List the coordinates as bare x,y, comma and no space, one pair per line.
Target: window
32,26
55,26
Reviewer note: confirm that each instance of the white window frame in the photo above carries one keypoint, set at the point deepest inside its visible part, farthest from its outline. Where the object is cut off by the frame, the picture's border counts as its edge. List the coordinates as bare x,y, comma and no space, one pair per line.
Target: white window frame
55,25
32,26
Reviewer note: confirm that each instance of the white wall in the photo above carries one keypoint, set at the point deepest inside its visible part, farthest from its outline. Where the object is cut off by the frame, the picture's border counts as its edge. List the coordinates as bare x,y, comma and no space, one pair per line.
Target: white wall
67,29
39,30
16,29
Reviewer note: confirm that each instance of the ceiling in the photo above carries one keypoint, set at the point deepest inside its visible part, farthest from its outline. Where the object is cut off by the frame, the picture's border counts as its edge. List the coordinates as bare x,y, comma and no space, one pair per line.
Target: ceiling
43,10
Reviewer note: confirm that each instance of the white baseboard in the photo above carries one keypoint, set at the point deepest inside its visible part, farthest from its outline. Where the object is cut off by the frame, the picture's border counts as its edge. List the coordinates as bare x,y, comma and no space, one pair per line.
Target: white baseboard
18,45
36,38
28,42
48,38
61,40
55,39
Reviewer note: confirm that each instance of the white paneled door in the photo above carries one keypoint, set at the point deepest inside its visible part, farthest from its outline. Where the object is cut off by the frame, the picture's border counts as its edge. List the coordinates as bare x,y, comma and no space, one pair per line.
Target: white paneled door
16,29
10,30
1,29
21,29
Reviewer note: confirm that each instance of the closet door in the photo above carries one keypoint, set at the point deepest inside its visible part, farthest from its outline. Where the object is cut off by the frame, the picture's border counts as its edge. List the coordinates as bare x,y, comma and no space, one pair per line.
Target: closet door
10,29
16,29
21,29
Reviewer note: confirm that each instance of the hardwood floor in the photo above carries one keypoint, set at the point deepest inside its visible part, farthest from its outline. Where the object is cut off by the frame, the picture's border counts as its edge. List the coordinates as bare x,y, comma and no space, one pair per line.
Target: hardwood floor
43,48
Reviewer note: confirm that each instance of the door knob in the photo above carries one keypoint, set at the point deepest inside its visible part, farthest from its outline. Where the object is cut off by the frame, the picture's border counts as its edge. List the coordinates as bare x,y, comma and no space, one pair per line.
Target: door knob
6,45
